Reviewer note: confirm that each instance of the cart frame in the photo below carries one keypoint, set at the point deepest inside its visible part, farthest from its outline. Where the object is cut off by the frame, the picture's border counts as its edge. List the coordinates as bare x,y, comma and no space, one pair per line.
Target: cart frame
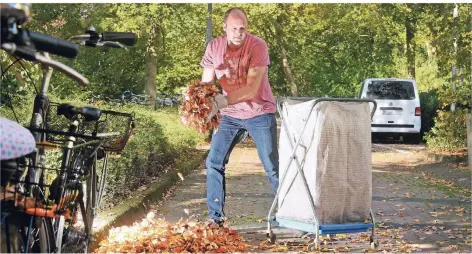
314,227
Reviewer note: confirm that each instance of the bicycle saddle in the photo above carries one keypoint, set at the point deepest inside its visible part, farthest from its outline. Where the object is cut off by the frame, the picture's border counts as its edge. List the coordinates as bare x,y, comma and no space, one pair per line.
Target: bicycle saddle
71,111
15,140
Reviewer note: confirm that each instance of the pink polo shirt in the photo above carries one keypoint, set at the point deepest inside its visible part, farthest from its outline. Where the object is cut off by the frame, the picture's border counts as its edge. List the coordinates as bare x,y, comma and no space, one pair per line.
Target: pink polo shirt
231,68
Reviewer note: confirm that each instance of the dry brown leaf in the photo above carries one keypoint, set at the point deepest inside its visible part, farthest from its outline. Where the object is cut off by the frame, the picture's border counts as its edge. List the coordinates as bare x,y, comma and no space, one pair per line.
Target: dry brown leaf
153,235
196,106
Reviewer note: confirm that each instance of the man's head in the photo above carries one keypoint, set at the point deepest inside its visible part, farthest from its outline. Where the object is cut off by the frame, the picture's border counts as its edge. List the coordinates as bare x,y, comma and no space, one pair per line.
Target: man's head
235,25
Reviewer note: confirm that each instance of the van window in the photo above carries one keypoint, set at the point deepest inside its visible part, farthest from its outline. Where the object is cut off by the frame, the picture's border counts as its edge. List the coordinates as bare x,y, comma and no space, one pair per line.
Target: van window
390,90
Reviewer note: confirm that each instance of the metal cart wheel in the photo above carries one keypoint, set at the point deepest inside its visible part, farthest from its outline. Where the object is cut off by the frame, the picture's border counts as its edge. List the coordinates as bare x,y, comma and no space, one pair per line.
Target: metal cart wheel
314,246
271,237
374,243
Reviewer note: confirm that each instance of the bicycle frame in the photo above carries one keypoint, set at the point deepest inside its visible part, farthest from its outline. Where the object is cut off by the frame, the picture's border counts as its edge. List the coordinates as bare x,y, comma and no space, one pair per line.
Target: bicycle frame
41,101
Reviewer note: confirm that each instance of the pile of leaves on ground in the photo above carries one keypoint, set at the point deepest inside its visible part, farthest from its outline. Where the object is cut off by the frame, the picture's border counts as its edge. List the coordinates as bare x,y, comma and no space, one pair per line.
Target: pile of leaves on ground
154,235
197,104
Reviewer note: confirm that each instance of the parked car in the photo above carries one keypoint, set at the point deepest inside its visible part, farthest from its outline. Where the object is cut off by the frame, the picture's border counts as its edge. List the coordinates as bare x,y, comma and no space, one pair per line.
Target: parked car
398,111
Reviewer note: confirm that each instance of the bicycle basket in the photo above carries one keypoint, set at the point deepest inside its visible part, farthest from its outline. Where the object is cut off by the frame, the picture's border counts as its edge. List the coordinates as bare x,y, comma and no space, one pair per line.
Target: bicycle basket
114,128
43,196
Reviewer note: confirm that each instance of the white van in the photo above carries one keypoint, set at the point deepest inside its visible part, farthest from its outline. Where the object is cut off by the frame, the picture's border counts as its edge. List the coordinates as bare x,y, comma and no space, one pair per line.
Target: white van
398,107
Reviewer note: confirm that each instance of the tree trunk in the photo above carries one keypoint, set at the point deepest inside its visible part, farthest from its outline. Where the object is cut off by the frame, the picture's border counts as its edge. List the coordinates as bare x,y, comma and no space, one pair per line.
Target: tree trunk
410,46
151,64
285,64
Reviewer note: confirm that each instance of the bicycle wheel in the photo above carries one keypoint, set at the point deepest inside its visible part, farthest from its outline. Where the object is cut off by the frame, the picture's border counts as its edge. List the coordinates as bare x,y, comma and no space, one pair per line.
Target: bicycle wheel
91,198
11,237
46,237
83,162
16,230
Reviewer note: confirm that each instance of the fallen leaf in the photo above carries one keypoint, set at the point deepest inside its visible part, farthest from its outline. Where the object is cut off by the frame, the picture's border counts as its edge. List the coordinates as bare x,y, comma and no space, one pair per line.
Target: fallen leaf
453,247
180,175
155,235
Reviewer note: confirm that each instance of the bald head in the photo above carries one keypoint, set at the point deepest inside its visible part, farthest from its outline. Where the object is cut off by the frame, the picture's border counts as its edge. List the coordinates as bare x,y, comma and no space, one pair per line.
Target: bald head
235,12
235,26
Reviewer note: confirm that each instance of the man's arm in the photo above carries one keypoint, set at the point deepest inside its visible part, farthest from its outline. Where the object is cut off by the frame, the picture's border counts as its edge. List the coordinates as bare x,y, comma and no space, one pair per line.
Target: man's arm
208,75
254,79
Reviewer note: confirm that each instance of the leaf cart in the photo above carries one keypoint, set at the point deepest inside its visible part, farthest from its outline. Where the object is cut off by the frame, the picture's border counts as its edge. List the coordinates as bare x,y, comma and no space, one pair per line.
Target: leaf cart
325,167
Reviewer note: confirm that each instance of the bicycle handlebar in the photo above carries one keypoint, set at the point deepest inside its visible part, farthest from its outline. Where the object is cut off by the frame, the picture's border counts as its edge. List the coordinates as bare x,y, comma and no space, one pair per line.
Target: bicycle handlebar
41,42
126,38
54,45
111,39
31,55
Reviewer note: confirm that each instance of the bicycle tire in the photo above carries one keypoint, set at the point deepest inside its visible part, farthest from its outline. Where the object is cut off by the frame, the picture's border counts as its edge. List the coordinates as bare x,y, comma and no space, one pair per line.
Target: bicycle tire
14,235
11,239
46,236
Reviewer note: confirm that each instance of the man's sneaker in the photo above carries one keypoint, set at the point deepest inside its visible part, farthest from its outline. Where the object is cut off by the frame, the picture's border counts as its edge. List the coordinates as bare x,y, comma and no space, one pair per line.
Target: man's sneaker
214,223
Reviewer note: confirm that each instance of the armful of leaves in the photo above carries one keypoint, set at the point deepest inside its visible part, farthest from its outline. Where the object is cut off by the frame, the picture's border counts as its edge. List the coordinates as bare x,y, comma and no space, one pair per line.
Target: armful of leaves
196,106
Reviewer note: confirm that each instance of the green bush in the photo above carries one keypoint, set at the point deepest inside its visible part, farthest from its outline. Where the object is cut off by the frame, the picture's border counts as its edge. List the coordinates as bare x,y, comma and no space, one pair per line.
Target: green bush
429,110
159,141
450,131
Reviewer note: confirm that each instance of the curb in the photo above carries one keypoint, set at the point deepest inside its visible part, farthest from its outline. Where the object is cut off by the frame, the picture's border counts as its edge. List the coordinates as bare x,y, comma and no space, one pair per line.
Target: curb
134,208
447,158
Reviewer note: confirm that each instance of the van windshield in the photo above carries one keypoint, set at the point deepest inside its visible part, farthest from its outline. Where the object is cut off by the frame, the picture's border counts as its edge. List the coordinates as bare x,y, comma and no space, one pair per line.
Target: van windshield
390,90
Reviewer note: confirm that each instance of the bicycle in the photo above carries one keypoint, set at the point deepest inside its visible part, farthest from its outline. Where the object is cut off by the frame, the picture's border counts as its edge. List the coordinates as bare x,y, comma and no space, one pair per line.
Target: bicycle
35,214
167,100
130,97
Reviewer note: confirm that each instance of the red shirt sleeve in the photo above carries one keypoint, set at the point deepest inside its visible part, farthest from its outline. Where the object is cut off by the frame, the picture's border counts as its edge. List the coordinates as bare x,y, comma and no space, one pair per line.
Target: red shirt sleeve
207,60
259,55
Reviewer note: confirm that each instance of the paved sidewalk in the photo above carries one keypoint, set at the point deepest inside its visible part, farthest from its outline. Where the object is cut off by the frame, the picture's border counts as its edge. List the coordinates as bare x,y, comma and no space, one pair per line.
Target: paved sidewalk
414,211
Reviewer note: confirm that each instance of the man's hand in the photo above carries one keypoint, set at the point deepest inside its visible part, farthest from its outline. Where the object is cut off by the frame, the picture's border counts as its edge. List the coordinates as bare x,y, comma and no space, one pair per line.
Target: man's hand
218,103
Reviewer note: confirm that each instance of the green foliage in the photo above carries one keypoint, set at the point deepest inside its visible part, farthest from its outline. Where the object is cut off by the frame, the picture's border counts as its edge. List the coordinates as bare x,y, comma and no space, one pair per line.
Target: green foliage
159,141
331,48
450,131
429,110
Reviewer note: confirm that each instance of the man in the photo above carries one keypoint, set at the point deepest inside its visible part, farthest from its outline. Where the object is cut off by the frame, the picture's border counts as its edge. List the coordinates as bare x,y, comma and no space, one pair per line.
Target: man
240,62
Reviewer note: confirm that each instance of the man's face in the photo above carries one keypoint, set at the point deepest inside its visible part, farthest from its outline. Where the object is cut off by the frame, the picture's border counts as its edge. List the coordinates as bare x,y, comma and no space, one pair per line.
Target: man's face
235,28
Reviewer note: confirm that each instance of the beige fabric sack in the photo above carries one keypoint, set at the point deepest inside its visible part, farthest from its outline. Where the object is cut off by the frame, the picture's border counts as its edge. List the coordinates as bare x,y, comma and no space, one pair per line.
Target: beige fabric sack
335,155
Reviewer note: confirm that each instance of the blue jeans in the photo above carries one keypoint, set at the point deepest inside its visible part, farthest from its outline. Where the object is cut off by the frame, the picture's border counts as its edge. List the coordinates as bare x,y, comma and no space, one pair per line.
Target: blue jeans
263,129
